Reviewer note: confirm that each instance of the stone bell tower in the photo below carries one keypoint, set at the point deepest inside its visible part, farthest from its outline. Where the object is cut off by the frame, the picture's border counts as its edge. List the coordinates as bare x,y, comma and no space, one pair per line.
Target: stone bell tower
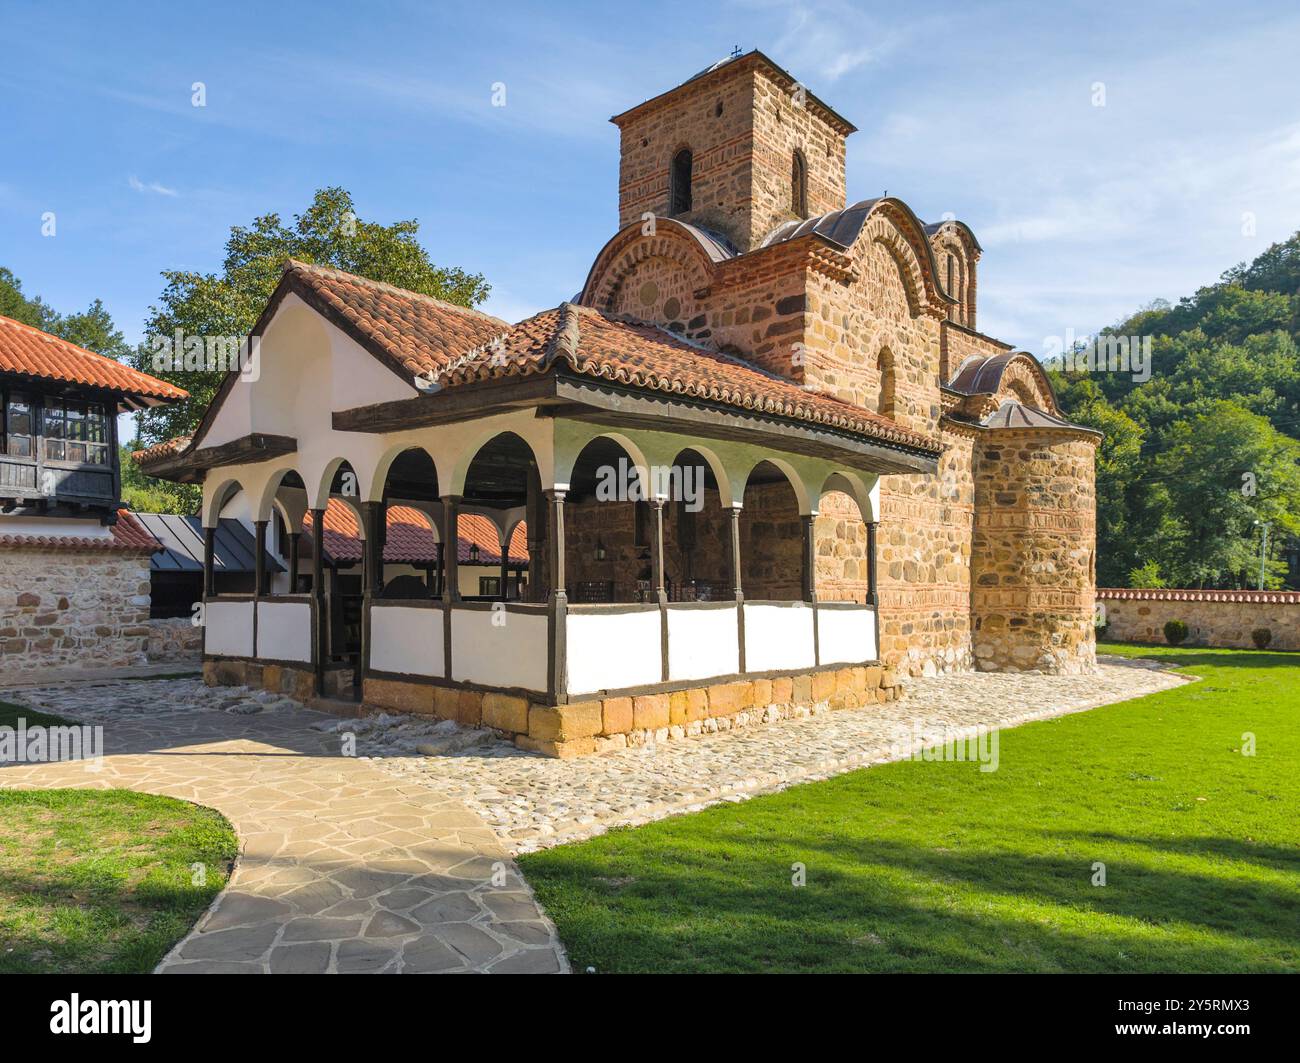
739,148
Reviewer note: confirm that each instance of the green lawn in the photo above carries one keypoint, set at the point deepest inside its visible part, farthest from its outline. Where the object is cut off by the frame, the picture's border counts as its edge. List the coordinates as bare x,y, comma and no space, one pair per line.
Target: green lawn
101,880
934,866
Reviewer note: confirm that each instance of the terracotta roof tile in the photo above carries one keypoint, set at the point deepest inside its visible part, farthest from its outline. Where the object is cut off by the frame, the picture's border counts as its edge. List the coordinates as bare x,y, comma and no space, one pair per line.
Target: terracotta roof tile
645,356
410,538
128,536
167,449
28,351
1174,594
419,332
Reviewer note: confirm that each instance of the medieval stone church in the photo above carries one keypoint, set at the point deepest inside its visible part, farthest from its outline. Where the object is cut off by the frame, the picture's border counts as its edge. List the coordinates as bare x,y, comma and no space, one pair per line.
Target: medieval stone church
880,490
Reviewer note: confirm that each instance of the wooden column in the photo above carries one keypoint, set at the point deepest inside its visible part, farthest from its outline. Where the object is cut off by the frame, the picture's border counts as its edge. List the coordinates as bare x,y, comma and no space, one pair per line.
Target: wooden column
209,562
440,574
319,611
505,570
450,548
259,559
373,516
557,599
535,519
737,584
657,551
294,539
809,557
872,597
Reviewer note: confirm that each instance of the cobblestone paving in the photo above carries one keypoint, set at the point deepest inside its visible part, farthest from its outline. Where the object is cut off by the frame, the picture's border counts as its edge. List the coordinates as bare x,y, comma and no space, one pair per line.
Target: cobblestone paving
342,867
534,802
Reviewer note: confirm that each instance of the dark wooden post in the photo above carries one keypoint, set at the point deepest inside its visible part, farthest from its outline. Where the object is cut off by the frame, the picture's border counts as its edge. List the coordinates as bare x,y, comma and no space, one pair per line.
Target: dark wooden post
440,574
259,560
373,516
809,555
318,596
657,551
209,562
450,548
294,538
737,584
535,519
505,569
557,598
872,597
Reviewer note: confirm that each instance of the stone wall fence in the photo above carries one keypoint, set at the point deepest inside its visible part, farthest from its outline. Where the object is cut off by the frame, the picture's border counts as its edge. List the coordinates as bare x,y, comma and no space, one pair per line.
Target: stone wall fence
174,639
1213,618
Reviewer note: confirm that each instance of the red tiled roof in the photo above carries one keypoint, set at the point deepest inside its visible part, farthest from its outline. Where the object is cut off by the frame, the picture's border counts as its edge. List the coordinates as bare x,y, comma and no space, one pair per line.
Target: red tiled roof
410,538
128,536
418,332
645,356
30,352
1174,594
166,449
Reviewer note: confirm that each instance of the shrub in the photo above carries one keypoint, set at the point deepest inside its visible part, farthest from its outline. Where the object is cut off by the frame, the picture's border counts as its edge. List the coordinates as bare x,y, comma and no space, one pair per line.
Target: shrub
1175,632
1261,637
1146,576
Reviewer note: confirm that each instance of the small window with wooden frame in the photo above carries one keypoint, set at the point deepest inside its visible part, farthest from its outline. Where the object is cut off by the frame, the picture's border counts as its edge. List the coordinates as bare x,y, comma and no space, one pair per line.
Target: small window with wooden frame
16,425
75,432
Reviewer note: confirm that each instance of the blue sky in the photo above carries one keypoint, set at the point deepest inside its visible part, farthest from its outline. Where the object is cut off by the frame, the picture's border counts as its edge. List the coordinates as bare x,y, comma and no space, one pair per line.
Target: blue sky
982,110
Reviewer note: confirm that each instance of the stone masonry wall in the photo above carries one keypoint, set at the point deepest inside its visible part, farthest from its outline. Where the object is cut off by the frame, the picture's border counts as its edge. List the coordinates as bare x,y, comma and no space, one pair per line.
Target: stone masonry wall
71,609
1034,551
1213,618
174,639
742,132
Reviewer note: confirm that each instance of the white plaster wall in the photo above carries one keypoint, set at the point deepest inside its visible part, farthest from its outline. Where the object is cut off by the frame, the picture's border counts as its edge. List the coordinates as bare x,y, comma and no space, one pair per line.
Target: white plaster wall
702,643
608,651
778,637
284,631
54,527
509,653
406,640
228,629
847,636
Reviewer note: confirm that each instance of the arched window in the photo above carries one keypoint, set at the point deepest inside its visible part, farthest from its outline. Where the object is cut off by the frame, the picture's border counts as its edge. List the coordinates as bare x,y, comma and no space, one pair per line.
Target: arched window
799,185
679,191
885,367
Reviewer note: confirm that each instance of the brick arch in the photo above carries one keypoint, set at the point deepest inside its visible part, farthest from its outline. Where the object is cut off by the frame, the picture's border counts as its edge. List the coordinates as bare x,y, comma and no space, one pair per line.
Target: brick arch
914,262
631,248
1024,381
955,242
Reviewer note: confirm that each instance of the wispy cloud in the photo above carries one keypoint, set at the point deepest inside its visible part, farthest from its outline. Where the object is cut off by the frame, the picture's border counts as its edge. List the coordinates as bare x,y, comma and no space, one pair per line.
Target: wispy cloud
152,186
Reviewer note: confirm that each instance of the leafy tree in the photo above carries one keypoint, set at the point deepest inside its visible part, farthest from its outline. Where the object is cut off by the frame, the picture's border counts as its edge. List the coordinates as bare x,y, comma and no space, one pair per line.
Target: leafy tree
228,303
145,494
92,328
1146,575
1228,355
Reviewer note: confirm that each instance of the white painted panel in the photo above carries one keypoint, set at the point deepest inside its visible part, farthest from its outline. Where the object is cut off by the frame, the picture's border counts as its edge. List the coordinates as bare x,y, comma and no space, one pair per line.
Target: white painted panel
510,653
847,635
228,629
778,637
284,631
405,640
608,651
702,643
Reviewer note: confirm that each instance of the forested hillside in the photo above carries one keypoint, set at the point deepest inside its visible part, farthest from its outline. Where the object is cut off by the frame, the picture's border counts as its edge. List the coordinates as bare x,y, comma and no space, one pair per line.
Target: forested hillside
1206,450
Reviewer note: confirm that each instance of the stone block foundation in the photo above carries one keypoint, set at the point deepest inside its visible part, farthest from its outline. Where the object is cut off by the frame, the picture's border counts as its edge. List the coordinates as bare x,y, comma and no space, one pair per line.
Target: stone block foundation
600,725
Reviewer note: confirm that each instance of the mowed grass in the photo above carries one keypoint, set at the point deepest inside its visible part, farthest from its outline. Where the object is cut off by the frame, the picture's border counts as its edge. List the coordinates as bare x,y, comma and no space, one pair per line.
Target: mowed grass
934,866
101,880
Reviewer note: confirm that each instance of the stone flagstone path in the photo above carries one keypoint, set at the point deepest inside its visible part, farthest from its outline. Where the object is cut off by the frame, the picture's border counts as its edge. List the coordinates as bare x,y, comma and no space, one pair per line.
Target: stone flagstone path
342,867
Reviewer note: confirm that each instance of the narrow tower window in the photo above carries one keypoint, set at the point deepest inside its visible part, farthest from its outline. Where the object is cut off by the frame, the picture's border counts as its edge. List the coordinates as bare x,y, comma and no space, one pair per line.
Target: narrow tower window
885,369
799,185
680,183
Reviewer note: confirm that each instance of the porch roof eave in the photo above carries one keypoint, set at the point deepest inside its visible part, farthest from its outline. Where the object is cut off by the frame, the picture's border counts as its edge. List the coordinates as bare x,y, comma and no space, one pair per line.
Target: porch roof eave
190,464
576,397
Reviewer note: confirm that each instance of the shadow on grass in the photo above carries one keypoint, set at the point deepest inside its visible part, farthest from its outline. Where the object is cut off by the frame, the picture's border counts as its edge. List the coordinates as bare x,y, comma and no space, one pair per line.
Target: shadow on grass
889,906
